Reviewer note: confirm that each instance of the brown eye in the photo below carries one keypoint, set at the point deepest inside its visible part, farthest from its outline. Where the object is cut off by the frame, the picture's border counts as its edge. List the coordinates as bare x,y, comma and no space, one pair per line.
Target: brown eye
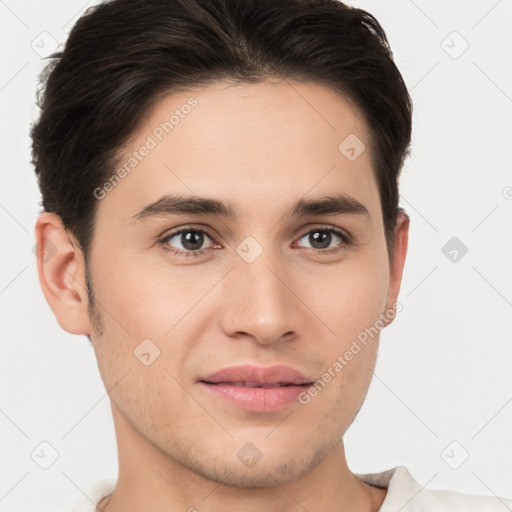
322,239
187,240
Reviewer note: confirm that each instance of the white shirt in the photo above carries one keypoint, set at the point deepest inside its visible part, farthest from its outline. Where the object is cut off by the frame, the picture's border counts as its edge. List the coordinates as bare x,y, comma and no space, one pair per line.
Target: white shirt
404,494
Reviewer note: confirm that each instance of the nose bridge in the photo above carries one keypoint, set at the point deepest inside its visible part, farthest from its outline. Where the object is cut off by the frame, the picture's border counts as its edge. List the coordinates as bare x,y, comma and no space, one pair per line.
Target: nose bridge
261,304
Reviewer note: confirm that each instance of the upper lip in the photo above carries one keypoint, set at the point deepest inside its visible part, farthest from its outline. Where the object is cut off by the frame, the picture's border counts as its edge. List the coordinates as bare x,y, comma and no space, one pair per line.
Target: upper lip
272,375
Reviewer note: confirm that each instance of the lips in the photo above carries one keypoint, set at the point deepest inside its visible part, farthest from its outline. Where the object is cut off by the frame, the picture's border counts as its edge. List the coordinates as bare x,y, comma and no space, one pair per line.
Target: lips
257,377
261,390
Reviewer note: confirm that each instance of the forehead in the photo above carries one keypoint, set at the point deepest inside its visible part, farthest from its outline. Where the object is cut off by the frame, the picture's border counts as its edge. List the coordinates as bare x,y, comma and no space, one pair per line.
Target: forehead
250,144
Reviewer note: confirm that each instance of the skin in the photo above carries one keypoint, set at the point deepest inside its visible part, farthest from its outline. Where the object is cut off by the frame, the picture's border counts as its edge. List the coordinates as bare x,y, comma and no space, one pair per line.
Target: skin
260,147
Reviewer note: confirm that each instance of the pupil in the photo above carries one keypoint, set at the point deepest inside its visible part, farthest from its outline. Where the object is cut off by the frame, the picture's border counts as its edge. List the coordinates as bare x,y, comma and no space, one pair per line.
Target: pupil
324,237
192,240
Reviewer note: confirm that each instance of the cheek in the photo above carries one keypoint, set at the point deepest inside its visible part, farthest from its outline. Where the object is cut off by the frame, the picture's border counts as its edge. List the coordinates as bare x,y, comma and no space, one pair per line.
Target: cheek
352,296
148,308
351,301
144,299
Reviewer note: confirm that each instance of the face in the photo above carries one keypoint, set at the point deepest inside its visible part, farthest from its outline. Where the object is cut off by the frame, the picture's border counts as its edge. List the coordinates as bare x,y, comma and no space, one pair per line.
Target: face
182,292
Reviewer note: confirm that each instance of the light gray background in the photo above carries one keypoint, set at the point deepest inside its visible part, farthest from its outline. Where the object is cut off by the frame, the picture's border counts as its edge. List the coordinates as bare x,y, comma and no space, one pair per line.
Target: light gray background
443,385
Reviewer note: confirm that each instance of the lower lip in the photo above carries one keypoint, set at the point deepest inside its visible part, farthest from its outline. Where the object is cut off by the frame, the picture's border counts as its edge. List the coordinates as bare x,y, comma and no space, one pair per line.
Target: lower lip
257,399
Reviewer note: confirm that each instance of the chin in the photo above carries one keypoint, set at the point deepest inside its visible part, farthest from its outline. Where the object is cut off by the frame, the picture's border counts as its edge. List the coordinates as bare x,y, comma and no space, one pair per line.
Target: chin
268,471
264,476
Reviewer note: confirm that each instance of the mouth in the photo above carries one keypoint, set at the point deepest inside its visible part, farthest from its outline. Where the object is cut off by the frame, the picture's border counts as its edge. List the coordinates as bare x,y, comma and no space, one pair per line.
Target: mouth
256,389
253,376
256,384
254,396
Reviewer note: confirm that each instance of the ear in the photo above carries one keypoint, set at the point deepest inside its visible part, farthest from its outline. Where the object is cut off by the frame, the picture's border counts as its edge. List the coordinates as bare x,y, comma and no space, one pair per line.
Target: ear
61,270
396,265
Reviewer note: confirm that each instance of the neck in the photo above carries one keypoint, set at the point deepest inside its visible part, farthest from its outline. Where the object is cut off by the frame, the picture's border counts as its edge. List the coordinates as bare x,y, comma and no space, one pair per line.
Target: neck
151,480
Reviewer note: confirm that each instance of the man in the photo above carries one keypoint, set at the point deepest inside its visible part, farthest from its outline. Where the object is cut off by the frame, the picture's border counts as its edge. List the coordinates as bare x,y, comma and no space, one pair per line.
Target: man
219,180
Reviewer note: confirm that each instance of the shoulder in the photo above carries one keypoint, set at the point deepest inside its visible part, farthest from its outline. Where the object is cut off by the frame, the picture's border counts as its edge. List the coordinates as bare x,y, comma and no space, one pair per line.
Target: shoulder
407,495
450,501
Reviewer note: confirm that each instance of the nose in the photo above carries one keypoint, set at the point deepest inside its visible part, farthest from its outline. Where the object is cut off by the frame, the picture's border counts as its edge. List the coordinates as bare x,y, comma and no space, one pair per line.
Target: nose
260,301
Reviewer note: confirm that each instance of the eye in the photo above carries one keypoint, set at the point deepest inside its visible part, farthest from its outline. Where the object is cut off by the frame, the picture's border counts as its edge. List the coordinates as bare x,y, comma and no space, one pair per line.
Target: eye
321,239
187,241
190,241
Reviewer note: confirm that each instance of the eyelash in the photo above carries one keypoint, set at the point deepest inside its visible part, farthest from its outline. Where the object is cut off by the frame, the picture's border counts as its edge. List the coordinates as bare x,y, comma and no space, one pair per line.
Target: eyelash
346,240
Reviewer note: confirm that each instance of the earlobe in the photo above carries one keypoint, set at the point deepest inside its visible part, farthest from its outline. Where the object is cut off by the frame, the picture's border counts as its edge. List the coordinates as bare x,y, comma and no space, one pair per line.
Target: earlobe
396,265
61,271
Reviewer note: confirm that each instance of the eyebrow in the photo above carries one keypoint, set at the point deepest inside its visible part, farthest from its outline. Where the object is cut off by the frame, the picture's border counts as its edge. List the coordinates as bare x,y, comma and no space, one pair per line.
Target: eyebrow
339,204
